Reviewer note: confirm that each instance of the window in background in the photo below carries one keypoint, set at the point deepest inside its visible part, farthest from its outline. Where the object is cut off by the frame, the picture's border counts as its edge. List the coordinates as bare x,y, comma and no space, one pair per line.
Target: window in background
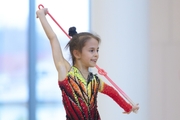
14,57
67,13
13,60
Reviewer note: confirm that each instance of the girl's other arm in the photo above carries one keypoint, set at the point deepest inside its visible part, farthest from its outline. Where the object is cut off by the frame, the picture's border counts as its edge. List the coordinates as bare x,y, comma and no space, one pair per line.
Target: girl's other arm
61,64
111,92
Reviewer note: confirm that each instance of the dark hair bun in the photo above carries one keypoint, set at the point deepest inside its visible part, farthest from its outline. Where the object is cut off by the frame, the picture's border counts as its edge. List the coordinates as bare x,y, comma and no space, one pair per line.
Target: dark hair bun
72,31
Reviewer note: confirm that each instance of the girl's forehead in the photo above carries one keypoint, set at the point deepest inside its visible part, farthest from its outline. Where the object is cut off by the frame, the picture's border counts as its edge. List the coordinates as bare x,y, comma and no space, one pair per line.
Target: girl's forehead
92,41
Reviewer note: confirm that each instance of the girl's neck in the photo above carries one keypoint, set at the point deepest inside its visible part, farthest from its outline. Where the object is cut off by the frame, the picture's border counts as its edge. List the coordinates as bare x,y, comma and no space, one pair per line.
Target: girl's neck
83,70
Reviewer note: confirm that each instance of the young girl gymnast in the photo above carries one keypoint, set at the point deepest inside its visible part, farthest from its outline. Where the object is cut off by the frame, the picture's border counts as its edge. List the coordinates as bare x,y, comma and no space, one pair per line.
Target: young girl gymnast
78,85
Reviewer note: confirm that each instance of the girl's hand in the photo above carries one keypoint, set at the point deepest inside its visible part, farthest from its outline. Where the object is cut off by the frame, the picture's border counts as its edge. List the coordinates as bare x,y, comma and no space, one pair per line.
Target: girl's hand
134,109
40,12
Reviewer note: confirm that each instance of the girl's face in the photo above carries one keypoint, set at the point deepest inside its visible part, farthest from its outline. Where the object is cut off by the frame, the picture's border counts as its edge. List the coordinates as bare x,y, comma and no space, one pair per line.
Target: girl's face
89,54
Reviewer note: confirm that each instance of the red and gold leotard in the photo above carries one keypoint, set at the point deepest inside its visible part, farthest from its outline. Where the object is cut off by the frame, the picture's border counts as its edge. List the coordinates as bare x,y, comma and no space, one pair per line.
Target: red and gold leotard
80,95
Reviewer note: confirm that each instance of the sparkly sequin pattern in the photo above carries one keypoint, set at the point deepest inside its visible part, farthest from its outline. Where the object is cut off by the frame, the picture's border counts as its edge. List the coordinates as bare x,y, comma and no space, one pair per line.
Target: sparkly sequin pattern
79,96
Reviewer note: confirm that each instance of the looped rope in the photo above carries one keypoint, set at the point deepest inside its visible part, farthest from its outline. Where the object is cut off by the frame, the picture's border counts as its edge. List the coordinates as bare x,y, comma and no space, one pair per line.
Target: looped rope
40,6
100,71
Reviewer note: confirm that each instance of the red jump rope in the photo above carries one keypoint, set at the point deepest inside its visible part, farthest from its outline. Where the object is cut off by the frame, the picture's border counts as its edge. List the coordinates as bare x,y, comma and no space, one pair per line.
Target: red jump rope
100,71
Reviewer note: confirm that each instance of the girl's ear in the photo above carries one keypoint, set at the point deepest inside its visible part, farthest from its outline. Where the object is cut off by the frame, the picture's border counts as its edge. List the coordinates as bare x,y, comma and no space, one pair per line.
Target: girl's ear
76,54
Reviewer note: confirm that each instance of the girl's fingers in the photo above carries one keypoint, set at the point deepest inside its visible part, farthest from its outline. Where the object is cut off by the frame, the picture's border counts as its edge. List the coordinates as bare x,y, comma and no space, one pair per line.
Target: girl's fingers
126,112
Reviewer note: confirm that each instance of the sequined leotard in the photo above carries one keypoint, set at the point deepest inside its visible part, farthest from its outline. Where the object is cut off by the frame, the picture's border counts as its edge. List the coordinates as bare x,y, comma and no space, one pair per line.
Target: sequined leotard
80,95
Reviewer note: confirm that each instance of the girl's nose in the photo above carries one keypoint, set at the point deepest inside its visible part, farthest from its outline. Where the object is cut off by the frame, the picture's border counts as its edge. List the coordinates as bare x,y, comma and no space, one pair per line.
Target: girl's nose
96,53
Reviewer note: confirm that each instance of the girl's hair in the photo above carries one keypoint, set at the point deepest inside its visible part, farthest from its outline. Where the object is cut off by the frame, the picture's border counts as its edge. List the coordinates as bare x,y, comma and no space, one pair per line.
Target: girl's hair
78,41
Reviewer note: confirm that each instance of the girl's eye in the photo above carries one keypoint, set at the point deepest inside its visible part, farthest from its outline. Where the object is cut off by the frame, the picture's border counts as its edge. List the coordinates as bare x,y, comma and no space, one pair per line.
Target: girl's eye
91,50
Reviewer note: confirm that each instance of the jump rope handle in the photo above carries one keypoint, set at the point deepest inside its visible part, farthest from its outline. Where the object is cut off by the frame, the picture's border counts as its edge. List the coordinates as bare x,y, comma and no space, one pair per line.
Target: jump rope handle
100,71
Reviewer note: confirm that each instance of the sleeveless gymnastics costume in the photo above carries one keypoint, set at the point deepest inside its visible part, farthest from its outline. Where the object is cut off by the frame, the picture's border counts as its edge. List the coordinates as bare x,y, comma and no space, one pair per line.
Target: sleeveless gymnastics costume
80,95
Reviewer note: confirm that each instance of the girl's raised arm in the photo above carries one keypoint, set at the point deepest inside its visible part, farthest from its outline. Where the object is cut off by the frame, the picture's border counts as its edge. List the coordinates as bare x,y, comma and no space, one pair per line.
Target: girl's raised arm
60,62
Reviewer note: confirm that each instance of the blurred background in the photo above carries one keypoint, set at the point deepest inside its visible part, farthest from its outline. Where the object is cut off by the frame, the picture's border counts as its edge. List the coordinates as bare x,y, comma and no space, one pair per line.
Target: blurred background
28,79
140,51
